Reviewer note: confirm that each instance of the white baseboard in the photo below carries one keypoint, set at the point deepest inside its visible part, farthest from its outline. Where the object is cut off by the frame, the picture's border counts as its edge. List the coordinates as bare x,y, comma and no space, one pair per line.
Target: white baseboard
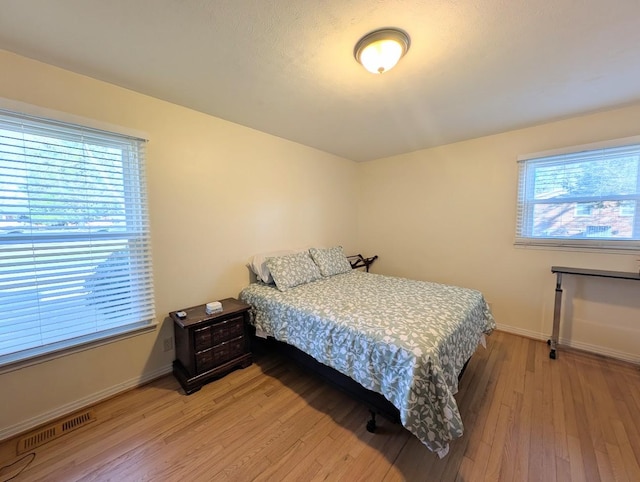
76,405
578,345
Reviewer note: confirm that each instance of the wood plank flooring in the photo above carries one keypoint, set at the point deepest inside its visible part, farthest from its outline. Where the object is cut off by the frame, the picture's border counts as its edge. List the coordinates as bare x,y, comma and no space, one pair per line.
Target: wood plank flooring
527,418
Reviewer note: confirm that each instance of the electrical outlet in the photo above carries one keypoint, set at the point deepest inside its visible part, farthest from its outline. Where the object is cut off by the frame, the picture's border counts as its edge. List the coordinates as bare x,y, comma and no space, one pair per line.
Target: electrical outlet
168,344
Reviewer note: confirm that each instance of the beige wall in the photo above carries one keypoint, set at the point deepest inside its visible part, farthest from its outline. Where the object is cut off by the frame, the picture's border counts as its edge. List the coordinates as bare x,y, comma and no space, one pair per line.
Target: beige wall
218,193
448,214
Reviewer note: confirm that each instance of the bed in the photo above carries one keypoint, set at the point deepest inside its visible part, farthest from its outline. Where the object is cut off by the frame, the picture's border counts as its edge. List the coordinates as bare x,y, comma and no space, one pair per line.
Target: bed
407,340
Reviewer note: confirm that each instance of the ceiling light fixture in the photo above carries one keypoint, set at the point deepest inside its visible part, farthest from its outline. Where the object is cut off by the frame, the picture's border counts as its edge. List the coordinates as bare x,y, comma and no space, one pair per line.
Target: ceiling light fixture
381,50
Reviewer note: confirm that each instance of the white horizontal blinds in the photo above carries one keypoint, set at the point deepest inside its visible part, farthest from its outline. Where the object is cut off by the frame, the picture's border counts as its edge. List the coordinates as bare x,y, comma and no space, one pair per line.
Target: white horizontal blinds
523,212
591,195
74,238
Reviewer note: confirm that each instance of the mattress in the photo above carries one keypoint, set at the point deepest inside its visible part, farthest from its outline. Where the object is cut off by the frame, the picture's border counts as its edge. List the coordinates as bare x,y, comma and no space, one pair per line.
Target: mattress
405,339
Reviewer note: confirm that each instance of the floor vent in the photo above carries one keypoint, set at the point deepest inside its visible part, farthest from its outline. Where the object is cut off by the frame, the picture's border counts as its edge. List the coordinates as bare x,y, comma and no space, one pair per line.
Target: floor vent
55,430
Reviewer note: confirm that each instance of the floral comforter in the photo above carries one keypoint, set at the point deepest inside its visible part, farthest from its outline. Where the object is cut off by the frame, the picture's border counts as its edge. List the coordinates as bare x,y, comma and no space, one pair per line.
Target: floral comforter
405,339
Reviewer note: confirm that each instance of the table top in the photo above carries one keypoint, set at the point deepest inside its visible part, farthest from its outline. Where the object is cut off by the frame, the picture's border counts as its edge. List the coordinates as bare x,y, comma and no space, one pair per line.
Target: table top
197,314
596,272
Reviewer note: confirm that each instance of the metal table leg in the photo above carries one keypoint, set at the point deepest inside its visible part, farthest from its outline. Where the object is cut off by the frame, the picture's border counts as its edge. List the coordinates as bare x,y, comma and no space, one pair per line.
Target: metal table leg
553,342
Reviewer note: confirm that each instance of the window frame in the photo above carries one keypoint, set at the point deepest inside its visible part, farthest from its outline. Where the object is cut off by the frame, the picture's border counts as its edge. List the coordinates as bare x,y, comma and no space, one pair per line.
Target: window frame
525,207
135,178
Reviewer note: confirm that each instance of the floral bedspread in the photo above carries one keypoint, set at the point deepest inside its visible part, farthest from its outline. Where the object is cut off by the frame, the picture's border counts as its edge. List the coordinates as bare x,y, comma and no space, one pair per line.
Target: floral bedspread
405,339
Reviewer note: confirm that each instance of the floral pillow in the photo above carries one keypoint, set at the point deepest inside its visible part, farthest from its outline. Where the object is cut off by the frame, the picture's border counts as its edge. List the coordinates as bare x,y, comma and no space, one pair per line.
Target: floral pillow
330,261
293,270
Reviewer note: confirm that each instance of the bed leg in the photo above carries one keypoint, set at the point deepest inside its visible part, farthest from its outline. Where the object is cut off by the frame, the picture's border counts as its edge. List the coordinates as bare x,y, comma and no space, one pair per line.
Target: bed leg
371,424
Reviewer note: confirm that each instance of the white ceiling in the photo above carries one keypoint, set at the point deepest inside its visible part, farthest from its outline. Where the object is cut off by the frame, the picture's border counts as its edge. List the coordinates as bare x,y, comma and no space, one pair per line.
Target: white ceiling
475,67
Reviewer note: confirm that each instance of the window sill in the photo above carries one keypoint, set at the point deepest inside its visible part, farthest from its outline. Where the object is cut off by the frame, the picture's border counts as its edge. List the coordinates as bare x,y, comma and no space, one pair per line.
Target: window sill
17,361
630,250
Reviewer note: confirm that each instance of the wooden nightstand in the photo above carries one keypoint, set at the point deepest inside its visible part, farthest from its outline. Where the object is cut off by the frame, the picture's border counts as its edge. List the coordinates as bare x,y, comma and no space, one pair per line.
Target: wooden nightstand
209,346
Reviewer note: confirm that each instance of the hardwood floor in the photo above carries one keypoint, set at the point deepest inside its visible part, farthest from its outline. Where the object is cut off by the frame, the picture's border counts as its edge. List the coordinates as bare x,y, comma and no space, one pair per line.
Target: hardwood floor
526,417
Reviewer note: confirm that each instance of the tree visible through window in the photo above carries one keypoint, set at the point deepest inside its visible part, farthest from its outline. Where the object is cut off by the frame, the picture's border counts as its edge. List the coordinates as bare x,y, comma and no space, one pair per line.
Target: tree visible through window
74,237
584,198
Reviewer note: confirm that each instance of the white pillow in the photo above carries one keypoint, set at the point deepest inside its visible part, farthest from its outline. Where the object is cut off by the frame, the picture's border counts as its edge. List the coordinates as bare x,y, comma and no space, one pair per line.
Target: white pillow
258,265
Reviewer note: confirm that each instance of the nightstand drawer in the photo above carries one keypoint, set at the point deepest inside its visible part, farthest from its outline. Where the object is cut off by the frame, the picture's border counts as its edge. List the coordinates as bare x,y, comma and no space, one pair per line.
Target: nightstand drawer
202,338
220,332
221,353
228,330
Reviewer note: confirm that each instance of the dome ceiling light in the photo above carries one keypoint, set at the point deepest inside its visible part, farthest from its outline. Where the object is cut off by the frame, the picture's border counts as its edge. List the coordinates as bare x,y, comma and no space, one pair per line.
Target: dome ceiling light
380,50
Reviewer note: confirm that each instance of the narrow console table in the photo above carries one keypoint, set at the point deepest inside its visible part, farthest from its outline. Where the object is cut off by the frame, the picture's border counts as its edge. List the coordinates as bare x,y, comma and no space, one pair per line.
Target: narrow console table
559,271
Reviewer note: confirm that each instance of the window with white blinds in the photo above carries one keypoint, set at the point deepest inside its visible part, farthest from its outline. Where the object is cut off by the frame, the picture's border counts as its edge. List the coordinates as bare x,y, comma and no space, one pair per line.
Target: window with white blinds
75,263
588,196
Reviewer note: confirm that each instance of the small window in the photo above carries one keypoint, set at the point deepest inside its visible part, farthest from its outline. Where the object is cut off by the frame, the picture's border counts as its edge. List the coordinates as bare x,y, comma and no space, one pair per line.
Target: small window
627,208
584,209
581,197
74,239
